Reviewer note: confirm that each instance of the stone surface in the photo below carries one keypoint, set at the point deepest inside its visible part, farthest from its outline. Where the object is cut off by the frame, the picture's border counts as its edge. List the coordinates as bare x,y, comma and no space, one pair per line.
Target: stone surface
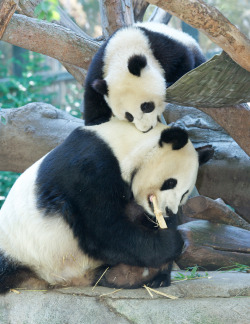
227,175
219,298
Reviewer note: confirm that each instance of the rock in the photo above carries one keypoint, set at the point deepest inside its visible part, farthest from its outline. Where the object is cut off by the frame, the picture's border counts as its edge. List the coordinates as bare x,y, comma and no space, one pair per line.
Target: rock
218,298
216,211
213,246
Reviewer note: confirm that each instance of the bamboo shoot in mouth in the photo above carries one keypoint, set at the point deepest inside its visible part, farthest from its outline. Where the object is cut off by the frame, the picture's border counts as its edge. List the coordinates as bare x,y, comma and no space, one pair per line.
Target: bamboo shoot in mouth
158,212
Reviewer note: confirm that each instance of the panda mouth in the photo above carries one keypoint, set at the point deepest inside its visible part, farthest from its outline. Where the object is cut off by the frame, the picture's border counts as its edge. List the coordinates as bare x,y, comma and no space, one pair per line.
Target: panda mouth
148,130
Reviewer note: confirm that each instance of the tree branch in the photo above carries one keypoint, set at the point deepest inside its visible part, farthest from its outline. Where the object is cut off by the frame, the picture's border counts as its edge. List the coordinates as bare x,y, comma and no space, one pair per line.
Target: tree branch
115,14
30,132
50,39
212,23
27,8
140,7
7,9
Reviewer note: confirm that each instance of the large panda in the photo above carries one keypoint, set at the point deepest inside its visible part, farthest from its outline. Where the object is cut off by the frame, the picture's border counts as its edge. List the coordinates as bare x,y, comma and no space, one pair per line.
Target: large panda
129,74
69,215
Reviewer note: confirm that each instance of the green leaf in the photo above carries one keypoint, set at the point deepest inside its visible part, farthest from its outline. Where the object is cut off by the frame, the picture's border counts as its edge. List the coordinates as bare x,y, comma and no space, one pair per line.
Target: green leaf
3,120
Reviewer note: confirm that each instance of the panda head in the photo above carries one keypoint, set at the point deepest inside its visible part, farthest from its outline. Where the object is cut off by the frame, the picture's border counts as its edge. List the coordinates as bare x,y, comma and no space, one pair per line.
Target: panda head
135,93
169,171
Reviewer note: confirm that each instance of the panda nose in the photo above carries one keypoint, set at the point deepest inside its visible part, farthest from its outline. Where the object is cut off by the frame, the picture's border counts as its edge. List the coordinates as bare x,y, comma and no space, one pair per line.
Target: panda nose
169,212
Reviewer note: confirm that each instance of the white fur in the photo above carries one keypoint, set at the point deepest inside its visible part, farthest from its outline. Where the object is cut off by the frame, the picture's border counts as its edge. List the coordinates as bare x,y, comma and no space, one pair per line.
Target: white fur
126,91
46,243
136,150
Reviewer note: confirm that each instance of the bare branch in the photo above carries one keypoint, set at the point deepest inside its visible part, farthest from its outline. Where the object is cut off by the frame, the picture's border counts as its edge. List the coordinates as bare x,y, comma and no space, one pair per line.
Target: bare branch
30,132
115,14
28,8
50,39
212,23
7,9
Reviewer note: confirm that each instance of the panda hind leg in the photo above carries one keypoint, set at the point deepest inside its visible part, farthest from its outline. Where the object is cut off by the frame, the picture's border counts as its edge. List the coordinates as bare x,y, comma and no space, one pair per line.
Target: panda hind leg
14,275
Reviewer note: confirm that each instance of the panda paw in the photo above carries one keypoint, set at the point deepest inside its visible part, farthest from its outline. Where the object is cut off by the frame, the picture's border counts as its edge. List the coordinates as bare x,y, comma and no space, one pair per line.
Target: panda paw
161,280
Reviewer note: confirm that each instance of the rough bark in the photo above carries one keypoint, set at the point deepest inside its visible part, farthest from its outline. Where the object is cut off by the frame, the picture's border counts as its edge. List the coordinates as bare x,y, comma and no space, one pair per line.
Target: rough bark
7,9
140,7
115,14
30,132
212,23
216,211
213,246
50,39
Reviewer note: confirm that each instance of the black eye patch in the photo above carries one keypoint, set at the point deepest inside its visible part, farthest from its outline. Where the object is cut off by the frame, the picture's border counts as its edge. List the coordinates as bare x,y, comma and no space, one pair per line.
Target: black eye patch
129,117
169,184
147,107
184,195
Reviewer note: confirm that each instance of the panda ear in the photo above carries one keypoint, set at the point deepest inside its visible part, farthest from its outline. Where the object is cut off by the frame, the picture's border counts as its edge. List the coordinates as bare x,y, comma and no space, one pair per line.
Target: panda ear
175,135
136,63
205,153
100,86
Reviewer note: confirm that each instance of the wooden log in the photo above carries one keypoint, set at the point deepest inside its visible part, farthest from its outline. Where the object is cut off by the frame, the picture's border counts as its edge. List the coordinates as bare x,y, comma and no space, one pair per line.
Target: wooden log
216,211
213,246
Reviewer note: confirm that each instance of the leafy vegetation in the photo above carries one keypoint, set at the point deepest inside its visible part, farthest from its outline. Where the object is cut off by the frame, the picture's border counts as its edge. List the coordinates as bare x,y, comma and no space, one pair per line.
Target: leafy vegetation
191,273
6,181
236,267
47,9
18,91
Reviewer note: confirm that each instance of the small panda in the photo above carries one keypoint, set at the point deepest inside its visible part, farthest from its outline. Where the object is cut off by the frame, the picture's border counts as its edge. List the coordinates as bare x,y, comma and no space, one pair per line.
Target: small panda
70,214
129,74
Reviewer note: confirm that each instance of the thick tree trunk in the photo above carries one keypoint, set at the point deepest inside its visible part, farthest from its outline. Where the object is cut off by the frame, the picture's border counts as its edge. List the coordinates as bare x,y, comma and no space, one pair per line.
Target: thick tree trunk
212,23
31,132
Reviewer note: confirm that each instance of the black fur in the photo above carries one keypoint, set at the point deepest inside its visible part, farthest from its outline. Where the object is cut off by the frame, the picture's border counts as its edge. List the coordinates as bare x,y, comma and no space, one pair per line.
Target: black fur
175,135
136,63
96,110
174,57
205,153
12,274
100,86
81,180
125,276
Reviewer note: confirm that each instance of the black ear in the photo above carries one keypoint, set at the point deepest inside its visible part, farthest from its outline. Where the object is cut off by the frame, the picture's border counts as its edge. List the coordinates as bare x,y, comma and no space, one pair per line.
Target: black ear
175,135
136,63
205,153
100,86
